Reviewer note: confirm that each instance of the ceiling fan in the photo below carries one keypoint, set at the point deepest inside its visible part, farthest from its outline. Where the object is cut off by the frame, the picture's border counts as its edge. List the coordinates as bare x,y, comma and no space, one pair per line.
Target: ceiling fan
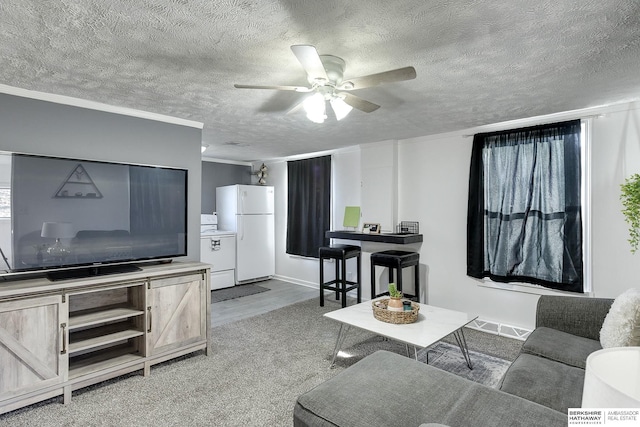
325,74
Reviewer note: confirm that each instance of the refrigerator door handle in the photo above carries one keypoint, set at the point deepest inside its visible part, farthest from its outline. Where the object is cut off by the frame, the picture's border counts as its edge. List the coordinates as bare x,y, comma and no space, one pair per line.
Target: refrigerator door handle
241,223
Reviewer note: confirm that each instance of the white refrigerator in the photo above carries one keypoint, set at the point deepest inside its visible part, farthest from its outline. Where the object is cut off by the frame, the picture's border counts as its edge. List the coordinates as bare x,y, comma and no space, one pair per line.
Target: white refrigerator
247,210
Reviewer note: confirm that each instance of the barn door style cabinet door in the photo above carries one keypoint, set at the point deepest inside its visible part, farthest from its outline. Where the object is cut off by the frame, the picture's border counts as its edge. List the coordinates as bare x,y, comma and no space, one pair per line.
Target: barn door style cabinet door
176,313
33,347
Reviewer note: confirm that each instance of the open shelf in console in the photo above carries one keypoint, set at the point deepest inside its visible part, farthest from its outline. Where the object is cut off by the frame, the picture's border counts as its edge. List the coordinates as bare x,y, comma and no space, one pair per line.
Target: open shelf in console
106,327
94,316
103,360
101,336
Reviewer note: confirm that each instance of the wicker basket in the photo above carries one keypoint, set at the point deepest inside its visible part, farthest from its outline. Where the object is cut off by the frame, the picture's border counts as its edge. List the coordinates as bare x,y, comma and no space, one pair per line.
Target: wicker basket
381,313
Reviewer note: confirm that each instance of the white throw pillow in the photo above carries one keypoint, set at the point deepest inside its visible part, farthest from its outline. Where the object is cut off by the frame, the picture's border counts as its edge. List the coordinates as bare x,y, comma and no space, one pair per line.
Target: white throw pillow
621,326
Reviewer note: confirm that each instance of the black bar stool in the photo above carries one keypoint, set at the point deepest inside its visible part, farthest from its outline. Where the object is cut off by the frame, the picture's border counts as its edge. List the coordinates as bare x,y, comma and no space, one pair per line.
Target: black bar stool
396,260
340,253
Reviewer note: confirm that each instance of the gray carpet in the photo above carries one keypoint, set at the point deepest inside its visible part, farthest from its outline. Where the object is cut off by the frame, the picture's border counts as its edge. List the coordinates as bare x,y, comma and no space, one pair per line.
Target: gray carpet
258,368
236,292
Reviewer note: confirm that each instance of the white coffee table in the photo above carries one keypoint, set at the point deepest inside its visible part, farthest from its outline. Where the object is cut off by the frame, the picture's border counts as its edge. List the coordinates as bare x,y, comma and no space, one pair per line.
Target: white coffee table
433,325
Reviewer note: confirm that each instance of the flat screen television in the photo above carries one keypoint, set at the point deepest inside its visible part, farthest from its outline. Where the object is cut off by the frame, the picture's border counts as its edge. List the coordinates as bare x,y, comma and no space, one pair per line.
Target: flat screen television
72,217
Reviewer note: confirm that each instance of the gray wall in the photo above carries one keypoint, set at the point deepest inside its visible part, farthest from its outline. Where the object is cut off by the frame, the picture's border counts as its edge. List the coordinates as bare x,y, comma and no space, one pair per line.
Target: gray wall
39,127
217,175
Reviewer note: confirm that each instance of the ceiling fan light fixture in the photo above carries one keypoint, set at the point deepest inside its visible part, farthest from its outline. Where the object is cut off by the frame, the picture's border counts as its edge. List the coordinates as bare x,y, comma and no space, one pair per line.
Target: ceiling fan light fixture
315,108
319,81
340,108
346,86
325,74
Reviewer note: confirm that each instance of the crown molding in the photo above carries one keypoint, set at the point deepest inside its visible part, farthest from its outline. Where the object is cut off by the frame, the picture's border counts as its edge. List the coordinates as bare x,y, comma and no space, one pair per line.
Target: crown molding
92,105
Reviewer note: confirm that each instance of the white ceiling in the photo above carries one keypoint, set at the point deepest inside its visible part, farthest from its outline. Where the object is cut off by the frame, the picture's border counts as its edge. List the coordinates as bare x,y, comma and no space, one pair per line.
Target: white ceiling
477,61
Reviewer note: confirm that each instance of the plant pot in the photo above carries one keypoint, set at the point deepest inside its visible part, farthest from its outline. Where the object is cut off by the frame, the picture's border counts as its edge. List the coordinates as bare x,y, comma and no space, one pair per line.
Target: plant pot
395,304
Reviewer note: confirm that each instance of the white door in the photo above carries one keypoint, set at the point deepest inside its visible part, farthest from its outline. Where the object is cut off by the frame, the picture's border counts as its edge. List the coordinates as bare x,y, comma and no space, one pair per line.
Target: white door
227,207
254,199
255,247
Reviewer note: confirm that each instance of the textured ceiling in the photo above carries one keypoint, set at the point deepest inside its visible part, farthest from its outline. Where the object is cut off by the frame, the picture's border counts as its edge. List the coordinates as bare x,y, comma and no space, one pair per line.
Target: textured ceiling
477,61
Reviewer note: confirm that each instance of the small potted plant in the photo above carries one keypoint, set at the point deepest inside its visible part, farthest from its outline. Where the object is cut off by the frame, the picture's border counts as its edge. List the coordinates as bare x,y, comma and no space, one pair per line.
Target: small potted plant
395,298
630,197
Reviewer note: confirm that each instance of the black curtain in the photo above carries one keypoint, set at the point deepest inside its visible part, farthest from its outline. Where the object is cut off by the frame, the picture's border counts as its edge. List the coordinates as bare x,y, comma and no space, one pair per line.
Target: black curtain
309,205
524,214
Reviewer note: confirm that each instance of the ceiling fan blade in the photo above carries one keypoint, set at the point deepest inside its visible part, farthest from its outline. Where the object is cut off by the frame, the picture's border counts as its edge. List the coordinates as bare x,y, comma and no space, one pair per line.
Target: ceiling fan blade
294,88
398,75
310,60
359,103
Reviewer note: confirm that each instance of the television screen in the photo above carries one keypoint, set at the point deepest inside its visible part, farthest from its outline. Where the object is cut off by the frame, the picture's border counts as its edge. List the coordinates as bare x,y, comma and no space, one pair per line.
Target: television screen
63,213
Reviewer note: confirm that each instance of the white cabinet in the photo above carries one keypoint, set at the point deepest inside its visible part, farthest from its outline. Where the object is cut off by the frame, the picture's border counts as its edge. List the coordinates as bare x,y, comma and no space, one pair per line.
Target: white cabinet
219,250
56,337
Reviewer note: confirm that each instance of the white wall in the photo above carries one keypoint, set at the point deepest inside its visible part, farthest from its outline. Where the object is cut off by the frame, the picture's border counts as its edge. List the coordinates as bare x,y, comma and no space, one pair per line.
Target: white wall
346,183
432,188
379,164
615,156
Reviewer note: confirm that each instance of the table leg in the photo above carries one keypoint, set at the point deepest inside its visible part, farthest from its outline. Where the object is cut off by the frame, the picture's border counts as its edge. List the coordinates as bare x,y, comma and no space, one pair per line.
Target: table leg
342,334
462,343
415,351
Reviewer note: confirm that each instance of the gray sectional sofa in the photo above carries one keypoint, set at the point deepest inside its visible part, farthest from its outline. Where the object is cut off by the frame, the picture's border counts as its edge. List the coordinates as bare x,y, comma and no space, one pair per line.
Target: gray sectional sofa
545,380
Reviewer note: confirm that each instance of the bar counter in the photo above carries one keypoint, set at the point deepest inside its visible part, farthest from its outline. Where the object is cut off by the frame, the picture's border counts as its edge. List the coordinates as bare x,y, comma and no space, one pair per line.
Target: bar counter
395,238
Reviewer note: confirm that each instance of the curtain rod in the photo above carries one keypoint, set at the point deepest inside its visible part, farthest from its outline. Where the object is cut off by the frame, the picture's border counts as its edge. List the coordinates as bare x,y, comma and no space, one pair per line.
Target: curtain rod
592,116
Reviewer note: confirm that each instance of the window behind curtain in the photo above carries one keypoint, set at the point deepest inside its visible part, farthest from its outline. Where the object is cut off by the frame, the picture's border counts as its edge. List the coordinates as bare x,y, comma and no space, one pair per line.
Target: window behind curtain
524,216
309,205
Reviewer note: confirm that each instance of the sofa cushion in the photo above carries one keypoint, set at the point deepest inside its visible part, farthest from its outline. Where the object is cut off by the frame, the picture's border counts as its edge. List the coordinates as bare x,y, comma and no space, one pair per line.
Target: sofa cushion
574,315
560,346
621,326
544,381
386,389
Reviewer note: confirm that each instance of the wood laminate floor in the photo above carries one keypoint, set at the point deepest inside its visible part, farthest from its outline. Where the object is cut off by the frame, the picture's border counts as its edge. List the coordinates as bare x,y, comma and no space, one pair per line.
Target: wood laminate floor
280,294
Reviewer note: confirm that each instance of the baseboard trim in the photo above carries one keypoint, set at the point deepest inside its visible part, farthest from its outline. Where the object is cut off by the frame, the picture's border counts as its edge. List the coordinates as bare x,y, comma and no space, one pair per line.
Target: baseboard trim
500,329
296,281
